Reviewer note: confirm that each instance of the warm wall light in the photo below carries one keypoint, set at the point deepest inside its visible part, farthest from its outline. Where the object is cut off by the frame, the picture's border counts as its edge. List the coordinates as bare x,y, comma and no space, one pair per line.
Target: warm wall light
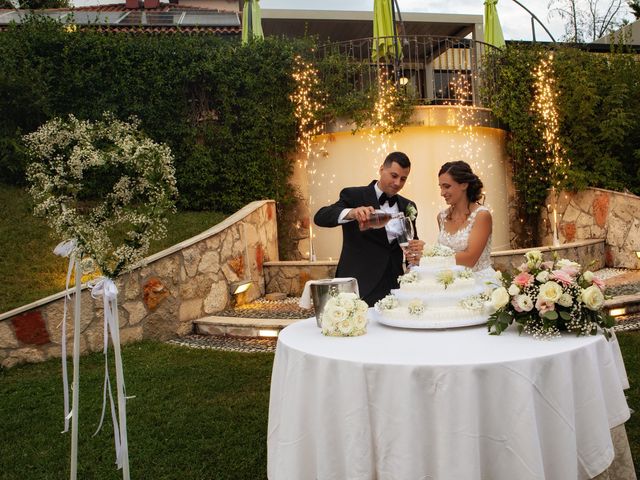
403,81
616,312
239,287
638,254
268,333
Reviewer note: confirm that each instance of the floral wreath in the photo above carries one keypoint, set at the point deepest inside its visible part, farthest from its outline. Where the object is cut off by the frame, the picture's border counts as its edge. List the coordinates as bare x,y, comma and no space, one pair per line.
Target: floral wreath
116,230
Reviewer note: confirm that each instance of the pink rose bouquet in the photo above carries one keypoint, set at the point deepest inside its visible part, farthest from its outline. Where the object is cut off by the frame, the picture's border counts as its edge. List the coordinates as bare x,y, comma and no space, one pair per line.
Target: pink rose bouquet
546,297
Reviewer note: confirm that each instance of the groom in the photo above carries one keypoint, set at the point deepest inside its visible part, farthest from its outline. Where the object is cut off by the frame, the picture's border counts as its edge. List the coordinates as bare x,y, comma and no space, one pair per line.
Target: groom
373,256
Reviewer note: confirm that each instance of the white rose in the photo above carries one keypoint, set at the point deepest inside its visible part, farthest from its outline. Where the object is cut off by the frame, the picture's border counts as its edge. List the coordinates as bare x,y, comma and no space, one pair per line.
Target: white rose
513,290
565,300
360,322
499,298
564,262
524,303
592,297
498,275
550,292
588,276
361,307
543,276
345,327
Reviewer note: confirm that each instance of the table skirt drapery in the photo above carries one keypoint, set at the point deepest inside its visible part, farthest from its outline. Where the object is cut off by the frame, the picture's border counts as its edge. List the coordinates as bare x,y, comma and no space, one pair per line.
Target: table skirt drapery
455,404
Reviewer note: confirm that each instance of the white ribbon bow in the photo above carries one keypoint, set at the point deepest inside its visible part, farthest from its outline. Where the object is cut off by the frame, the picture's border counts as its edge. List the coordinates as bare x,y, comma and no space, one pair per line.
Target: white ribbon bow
65,249
106,288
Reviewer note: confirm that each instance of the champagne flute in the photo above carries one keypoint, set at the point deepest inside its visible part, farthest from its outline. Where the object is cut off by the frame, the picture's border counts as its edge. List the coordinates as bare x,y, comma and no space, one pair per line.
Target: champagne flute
407,233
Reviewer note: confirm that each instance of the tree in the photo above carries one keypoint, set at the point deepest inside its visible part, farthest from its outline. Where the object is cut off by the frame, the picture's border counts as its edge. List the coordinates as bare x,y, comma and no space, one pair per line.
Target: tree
634,5
588,20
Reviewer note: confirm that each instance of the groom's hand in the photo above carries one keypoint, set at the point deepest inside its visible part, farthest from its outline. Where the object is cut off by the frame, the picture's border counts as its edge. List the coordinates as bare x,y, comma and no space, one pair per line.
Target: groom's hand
414,251
360,214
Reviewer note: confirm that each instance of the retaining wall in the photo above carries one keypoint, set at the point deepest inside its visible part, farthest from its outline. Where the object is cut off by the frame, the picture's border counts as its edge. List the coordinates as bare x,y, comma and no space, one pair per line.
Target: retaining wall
161,297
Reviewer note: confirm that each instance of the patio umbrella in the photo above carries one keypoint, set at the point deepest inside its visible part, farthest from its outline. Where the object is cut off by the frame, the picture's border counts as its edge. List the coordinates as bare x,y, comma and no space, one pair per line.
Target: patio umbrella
384,32
492,29
251,21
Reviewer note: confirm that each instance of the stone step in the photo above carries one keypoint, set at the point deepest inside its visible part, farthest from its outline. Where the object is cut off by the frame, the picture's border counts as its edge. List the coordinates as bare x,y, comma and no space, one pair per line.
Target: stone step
623,304
241,326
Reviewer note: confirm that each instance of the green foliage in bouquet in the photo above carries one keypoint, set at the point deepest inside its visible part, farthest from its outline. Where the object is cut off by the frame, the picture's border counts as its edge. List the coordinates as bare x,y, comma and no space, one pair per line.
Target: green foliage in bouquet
546,297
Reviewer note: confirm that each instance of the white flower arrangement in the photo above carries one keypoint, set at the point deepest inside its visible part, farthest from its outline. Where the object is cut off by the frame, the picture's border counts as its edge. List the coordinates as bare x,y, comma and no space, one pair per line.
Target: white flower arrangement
344,315
408,278
445,277
416,307
546,297
466,273
387,303
115,232
438,250
474,303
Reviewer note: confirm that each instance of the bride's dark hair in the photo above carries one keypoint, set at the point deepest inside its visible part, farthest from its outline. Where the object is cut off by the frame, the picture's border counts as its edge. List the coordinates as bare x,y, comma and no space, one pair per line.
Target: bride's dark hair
461,172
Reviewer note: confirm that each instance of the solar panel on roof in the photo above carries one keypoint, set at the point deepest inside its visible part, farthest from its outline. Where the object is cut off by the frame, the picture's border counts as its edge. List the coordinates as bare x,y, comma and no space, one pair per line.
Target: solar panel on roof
215,19
163,18
84,18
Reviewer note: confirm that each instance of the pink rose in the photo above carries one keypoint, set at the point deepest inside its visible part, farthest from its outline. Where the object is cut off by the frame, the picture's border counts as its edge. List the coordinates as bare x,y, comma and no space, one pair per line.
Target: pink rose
548,265
514,304
543,306
598,282
523,279
570,269
562,276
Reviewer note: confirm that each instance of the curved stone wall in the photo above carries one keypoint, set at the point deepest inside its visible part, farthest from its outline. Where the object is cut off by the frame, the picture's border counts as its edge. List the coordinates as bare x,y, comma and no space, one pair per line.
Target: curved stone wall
161,297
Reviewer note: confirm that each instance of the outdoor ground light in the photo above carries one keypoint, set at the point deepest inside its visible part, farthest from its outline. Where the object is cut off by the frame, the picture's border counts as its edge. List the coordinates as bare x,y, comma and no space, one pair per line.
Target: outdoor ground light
638,254
238,289
616,312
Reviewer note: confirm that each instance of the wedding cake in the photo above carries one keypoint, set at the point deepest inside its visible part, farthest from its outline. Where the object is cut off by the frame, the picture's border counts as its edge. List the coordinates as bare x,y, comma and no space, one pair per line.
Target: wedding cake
436,290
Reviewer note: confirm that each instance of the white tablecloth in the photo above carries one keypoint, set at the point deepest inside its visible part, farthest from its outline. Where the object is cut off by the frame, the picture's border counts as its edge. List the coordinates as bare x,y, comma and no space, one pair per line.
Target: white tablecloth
456,404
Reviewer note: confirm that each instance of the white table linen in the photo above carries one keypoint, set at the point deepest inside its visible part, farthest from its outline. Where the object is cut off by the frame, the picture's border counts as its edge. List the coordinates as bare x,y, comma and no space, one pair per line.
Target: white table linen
457,404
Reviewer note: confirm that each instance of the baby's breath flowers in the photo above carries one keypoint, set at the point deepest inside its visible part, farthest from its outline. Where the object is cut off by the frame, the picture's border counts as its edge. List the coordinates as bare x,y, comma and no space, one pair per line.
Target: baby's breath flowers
114,231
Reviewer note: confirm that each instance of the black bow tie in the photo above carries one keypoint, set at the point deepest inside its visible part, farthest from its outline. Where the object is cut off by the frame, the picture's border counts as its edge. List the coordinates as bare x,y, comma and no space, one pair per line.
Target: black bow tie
383,199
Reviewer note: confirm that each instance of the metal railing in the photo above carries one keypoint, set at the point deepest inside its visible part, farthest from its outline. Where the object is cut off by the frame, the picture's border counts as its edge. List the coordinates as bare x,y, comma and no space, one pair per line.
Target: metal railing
433,70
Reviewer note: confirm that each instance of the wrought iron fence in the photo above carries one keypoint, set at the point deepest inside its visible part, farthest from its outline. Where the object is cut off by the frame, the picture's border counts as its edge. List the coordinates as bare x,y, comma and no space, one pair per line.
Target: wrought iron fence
431,69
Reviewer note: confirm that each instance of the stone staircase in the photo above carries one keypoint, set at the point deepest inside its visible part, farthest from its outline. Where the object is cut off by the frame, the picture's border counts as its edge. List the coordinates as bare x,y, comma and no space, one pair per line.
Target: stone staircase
265,318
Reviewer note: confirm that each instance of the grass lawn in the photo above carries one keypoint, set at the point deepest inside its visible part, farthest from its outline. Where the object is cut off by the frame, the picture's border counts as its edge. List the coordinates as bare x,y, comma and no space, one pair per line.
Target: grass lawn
28,268
198,414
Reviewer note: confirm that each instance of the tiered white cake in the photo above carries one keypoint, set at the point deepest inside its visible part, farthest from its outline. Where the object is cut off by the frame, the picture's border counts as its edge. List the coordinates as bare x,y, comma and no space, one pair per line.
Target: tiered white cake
437,290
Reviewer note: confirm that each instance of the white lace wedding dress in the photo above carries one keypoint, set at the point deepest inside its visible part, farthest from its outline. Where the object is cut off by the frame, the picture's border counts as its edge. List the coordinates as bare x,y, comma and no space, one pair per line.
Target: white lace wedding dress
459,240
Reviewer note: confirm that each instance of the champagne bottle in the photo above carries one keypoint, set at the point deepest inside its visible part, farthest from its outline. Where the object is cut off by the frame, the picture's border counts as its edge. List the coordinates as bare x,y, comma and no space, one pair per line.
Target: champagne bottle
378,219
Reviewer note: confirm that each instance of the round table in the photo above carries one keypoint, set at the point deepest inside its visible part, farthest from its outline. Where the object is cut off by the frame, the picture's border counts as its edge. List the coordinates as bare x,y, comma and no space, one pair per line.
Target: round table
457,404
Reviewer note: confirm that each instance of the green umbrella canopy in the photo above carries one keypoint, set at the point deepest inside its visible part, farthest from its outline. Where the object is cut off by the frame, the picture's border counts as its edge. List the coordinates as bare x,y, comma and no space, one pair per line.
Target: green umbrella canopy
251,21
492,29
384,33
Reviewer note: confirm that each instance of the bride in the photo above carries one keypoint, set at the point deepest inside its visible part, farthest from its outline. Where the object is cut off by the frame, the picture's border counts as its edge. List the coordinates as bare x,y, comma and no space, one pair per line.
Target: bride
465,226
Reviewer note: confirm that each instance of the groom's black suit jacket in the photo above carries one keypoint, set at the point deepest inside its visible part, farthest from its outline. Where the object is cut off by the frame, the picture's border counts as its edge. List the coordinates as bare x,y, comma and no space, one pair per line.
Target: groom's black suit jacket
366,255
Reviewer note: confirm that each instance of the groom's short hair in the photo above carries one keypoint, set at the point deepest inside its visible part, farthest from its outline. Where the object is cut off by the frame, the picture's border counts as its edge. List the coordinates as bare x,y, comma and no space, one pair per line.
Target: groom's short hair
400,158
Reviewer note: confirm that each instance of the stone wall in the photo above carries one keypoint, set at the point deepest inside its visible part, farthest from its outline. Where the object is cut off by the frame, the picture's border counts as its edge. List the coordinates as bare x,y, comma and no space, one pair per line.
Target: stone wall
290,277
598,213
160,298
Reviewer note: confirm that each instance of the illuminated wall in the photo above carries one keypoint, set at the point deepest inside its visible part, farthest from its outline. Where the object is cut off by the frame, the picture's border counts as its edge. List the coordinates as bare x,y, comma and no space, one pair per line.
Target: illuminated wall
437,134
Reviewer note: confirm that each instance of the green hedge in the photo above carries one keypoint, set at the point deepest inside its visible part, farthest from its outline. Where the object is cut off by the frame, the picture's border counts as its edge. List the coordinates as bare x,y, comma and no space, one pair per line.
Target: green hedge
599,113
223,108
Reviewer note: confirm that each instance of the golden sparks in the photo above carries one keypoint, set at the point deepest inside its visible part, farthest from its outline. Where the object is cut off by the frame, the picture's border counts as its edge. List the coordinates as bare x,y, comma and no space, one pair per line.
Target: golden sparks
308,101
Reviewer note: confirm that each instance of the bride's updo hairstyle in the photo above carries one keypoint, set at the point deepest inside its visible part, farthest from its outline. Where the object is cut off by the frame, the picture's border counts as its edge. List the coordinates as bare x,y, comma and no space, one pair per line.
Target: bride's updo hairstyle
461,172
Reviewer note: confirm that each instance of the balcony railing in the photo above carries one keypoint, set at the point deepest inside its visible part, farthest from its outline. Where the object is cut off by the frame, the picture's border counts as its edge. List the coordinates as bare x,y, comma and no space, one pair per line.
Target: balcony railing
433,70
